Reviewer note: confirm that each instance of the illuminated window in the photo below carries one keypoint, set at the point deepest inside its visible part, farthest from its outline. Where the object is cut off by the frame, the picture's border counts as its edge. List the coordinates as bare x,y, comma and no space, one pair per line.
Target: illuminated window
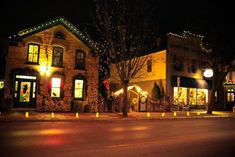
33,53
1,84
192,96
78,89
149,65
202,96
56,87
230,95
57,59
80,59
180,95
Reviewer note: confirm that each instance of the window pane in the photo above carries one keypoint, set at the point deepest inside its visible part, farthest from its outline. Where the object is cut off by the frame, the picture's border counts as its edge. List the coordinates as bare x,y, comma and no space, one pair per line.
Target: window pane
80,59
192,96
78,89
56,82
57,59
55,92
202,96
30,58
33,52
78,83
78,93
25,91
180,95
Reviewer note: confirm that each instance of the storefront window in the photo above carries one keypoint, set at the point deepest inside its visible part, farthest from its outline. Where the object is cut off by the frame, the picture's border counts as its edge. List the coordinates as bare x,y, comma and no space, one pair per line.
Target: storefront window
202,96
230,96
192,96
181,95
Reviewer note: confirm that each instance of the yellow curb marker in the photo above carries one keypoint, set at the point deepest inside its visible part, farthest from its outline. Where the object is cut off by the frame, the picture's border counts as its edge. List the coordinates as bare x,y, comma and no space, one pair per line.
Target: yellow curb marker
97,115
52,114
77,115
26,114
148,115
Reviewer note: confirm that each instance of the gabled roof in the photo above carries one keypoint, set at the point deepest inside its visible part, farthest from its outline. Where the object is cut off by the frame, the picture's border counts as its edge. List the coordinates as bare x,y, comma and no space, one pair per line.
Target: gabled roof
61,20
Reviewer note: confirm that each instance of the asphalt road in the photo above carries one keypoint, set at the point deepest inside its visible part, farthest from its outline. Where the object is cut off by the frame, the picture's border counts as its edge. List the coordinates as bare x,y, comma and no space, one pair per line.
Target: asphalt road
126,138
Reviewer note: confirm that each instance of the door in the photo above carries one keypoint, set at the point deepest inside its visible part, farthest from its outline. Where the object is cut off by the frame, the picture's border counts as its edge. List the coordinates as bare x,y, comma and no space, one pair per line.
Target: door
25,91
143,104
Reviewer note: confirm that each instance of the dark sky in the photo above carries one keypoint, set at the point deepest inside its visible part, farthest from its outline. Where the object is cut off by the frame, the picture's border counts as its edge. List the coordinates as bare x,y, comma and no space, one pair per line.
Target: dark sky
175,16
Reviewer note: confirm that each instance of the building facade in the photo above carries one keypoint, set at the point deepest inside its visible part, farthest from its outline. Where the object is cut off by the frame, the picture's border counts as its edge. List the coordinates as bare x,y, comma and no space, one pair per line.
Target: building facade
178,73
229,91
51,67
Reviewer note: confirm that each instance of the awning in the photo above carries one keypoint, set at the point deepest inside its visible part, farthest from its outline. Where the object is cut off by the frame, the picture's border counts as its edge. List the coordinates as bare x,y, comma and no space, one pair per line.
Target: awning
192,83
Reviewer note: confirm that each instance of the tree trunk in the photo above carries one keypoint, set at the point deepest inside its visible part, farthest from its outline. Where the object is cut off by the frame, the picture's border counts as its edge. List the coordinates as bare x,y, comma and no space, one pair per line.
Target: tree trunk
211,101
212,95
125,100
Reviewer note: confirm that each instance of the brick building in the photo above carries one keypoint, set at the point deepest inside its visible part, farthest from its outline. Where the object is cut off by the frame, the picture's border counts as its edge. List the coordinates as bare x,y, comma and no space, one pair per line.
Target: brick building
51,67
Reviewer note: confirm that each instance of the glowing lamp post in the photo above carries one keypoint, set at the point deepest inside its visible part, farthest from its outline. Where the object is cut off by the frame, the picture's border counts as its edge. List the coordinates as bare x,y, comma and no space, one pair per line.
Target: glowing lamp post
208,73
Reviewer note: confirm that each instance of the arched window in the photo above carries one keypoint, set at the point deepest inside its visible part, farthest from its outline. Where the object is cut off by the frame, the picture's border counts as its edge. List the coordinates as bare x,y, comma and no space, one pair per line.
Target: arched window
59,35
80,60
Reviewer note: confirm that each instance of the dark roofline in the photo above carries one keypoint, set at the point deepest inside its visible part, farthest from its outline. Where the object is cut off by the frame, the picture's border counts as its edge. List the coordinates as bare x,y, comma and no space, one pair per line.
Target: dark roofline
61,20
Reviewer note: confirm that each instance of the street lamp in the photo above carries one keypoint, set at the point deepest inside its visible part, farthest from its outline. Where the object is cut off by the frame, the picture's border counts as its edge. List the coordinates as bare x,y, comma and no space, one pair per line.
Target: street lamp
208,73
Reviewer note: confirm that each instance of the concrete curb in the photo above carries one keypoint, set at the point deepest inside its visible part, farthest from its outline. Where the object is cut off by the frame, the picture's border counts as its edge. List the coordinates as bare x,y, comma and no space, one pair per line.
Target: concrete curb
111,119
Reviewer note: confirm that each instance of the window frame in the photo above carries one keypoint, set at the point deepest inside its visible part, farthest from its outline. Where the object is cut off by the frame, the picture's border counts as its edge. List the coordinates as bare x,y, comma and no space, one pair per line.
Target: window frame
61,57
29,62
77,63
60,87
84,87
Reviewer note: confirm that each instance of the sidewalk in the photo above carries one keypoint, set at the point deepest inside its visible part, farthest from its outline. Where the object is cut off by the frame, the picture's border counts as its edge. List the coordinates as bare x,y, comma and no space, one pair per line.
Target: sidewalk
48,116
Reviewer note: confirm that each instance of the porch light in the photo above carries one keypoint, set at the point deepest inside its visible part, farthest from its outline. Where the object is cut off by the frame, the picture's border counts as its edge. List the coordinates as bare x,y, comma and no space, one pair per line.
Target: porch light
208,73
45,70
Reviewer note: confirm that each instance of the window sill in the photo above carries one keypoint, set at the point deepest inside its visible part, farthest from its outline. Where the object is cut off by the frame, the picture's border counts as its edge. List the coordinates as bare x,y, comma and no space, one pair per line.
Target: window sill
31,63
76,68
57,66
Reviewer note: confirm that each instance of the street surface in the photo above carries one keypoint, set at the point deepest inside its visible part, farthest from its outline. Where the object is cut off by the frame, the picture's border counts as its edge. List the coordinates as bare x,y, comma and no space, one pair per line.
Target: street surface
119,138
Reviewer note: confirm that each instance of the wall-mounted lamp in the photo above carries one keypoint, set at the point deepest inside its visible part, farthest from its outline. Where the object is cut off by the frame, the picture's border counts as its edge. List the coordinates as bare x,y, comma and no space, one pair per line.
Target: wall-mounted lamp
208,73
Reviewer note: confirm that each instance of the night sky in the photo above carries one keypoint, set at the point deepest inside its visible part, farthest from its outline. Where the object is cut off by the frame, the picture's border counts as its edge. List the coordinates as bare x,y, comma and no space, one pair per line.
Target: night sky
175,16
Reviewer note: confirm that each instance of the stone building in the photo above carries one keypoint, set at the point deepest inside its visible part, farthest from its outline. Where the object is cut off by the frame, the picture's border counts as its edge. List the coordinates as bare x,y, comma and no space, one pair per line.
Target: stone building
52,66
176,70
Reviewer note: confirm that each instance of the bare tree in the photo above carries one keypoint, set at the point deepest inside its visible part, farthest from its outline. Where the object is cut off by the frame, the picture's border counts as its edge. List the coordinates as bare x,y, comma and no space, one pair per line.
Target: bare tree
125,31
221,63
